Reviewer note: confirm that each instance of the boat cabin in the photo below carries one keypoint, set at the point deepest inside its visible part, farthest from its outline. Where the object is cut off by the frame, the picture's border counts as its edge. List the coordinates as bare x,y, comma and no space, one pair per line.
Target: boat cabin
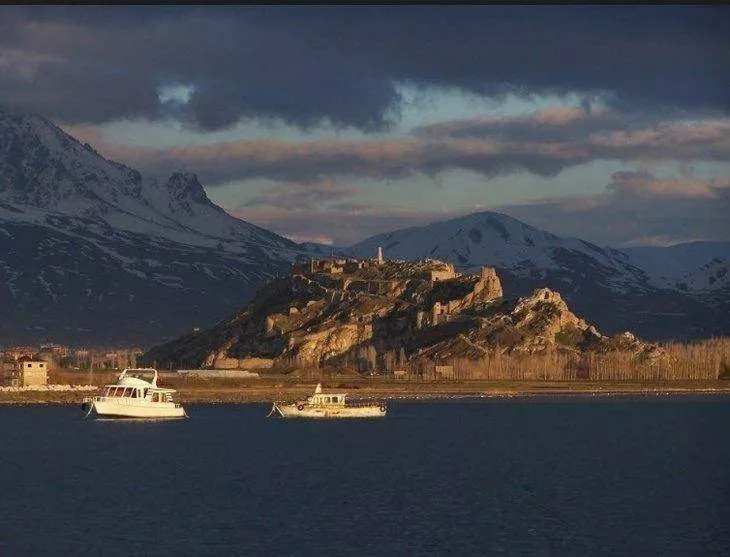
326,399
138,384
153,395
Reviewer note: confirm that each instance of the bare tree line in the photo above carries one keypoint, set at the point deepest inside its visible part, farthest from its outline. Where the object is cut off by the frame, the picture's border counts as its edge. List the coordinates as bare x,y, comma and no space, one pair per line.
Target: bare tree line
703,360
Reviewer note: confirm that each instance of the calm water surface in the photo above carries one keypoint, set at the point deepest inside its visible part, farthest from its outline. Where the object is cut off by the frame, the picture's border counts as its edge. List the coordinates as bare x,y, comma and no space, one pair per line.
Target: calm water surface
527,477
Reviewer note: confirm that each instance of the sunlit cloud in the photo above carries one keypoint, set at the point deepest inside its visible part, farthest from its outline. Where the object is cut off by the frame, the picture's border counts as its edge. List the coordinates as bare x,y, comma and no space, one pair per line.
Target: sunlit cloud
543,143
638,208
643,184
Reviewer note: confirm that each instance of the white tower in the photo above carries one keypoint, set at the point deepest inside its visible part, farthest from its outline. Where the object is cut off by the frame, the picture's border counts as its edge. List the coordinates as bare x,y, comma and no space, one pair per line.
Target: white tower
380,255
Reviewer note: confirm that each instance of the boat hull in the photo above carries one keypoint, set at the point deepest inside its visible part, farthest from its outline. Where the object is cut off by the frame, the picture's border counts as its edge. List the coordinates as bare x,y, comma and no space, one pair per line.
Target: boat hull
132,409
303,411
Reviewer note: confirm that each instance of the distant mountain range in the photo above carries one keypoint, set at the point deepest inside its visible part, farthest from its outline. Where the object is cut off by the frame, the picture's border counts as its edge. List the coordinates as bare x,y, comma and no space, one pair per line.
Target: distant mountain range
91,252
691,267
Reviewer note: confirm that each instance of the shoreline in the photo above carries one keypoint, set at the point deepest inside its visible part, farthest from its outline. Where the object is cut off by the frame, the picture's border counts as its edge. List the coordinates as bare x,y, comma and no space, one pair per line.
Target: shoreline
219,392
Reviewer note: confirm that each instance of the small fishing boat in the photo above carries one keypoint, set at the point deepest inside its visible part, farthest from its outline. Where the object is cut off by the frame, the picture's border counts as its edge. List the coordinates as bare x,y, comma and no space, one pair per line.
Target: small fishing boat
328,405
136,394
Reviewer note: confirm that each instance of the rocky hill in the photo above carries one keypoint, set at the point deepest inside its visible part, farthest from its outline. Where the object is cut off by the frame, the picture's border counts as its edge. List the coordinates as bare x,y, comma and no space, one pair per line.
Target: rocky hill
662,292
391,312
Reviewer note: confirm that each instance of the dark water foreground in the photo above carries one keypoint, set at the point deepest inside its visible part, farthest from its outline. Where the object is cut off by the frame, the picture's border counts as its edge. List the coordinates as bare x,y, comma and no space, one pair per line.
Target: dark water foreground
644,476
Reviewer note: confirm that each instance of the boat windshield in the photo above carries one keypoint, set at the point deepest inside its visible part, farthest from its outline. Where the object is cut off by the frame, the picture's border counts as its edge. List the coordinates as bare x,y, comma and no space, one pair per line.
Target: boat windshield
143,374
121,392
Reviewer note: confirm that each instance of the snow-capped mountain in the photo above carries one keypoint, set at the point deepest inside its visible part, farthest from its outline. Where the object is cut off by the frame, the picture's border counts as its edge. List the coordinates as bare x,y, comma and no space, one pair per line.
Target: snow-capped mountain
609,286
44,168
488,238
90,251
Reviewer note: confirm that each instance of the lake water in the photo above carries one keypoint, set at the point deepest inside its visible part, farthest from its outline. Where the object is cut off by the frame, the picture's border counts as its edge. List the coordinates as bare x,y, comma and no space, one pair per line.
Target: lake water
560,476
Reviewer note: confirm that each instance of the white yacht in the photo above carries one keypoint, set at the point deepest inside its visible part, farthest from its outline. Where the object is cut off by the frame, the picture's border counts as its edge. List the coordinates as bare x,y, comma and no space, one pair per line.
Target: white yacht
328,405
135,395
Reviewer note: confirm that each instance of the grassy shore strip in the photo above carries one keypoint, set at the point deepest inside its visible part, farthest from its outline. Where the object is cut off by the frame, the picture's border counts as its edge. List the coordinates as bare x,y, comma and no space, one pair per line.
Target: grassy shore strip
228,391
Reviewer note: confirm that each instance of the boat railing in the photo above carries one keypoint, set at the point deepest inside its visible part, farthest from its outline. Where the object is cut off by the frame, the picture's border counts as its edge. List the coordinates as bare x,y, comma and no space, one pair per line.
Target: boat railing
349,403
126,400
363,402
359,403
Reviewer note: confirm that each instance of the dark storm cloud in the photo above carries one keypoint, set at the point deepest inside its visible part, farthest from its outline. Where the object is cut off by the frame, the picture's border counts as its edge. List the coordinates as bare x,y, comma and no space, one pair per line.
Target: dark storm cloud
340,65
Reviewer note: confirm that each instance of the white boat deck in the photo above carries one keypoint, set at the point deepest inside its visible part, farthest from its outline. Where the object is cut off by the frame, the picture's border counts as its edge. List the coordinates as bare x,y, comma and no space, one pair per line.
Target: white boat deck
133,396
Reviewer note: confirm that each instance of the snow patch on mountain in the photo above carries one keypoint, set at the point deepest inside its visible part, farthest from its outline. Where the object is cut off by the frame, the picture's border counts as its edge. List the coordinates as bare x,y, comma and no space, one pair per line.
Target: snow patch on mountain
695,266
45,172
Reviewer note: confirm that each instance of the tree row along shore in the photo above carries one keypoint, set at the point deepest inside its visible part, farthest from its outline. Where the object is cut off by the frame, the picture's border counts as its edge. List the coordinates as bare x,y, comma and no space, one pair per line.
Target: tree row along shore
705,360
700,367
266,390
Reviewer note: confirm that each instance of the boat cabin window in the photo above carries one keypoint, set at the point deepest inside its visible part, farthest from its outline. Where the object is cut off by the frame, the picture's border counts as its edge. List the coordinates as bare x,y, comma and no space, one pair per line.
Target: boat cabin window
335,399
155,397
112,391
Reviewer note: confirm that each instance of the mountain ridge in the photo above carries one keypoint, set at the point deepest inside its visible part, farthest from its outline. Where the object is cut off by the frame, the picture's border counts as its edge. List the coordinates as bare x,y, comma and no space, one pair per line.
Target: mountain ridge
66,211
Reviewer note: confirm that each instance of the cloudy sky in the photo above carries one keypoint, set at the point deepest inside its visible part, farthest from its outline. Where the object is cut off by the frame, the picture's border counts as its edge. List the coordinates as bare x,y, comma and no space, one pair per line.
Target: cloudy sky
610,123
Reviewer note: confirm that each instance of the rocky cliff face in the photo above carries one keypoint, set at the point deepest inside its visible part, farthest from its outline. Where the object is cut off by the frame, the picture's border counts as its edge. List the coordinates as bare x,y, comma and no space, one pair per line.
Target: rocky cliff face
394,312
